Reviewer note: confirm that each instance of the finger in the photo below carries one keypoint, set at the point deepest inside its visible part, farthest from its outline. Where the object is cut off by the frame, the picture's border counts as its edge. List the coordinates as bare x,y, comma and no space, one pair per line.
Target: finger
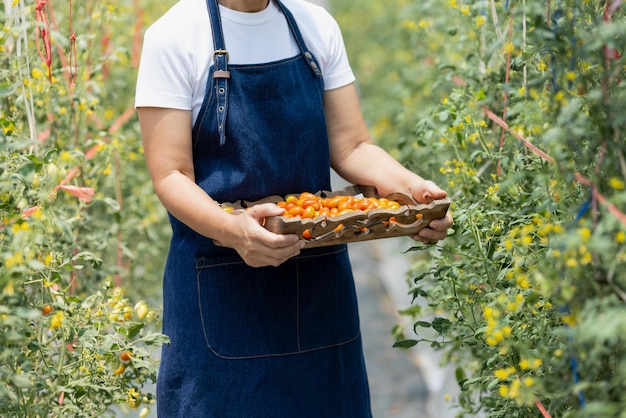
442,224
431,235
428,191
267,256
260,212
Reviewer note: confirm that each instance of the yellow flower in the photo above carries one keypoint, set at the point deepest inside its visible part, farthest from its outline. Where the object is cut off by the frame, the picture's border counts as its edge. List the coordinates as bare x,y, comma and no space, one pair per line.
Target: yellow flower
584,233
620,237
424,23
480,21
541,66
569,320
524,364
503,374
57,320
616,183
503,391
528,381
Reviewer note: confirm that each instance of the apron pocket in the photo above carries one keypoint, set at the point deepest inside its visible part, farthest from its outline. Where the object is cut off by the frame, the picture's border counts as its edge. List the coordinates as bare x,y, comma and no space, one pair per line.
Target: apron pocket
327,305
247,312
305,304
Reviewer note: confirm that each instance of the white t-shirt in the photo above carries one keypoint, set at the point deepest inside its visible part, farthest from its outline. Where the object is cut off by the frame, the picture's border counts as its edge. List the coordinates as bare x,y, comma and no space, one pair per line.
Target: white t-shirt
178,49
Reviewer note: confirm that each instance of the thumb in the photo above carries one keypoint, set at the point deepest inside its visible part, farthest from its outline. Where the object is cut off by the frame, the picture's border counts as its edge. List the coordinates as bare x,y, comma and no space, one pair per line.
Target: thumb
427,192
260,212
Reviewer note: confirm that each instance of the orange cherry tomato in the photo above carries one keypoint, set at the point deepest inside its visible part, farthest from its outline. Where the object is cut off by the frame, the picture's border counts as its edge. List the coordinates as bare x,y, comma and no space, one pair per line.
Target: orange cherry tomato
345,203
373,202
323,212
295,211
307,195
125,356
291,198
383,202
306,234
46,310
333,202
308,212
310,202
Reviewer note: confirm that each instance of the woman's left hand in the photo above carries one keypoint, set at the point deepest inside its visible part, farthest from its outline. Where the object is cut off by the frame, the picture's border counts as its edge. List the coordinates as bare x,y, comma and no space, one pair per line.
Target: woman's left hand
425,192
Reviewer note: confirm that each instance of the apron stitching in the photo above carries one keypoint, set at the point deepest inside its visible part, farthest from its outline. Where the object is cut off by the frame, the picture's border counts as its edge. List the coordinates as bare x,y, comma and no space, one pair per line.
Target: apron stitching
289,353
298,304
204,262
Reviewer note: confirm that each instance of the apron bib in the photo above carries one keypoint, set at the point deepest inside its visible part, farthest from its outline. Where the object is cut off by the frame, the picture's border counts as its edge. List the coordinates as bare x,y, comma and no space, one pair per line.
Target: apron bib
272,341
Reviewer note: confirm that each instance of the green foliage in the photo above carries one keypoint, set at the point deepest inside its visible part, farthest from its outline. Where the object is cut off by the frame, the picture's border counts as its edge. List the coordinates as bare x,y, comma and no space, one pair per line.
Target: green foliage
79,221
527,295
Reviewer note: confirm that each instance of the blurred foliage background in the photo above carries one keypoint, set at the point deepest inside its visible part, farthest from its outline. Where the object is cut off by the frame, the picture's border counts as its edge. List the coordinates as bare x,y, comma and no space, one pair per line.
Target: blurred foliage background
514,108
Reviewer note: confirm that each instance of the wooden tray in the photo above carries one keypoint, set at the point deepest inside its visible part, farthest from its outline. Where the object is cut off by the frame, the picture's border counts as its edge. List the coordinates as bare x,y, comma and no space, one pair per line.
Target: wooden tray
357,225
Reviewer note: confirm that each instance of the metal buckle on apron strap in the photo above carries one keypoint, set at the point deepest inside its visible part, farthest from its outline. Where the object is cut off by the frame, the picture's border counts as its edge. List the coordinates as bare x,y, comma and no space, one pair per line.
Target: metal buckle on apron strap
221,75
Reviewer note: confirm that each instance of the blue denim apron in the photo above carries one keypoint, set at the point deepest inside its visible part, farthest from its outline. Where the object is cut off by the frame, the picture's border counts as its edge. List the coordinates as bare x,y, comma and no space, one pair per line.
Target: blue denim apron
260,342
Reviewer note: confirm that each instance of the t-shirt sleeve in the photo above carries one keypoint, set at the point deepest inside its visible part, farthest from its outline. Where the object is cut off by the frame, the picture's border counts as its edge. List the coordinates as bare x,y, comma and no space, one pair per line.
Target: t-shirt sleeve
164,75
337,70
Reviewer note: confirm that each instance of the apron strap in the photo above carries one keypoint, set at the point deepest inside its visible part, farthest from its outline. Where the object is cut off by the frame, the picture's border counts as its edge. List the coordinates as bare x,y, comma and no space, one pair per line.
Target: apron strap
220,57
220,71
300,40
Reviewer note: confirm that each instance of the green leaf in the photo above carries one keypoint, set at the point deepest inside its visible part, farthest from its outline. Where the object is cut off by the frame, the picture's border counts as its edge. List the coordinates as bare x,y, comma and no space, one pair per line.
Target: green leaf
20,381
441,325
405,343
422,324
133,331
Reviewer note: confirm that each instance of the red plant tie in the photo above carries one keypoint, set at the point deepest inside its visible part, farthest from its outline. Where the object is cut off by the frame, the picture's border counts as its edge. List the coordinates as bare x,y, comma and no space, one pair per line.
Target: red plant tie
44,47
72,62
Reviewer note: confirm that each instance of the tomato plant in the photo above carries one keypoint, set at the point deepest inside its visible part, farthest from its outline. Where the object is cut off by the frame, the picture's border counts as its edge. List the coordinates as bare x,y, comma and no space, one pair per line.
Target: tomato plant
515,109
79,223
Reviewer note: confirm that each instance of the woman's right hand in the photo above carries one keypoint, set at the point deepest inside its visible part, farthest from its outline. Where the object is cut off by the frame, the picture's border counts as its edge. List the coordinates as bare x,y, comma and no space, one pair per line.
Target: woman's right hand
257,246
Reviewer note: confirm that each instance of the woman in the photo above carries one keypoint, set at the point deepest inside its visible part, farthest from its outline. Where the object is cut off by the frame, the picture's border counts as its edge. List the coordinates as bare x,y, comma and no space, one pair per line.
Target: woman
241,100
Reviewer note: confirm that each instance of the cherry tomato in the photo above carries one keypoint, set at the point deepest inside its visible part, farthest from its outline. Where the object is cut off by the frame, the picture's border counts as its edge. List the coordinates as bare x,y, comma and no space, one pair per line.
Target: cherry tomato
323,212
125,356
46,310
120,369
333,202
310,202
295,211
345,203
308,212
307,195
306,234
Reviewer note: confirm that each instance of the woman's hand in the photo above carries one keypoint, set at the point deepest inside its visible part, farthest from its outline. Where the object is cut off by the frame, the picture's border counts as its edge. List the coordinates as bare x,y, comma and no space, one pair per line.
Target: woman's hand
256,245
425,192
